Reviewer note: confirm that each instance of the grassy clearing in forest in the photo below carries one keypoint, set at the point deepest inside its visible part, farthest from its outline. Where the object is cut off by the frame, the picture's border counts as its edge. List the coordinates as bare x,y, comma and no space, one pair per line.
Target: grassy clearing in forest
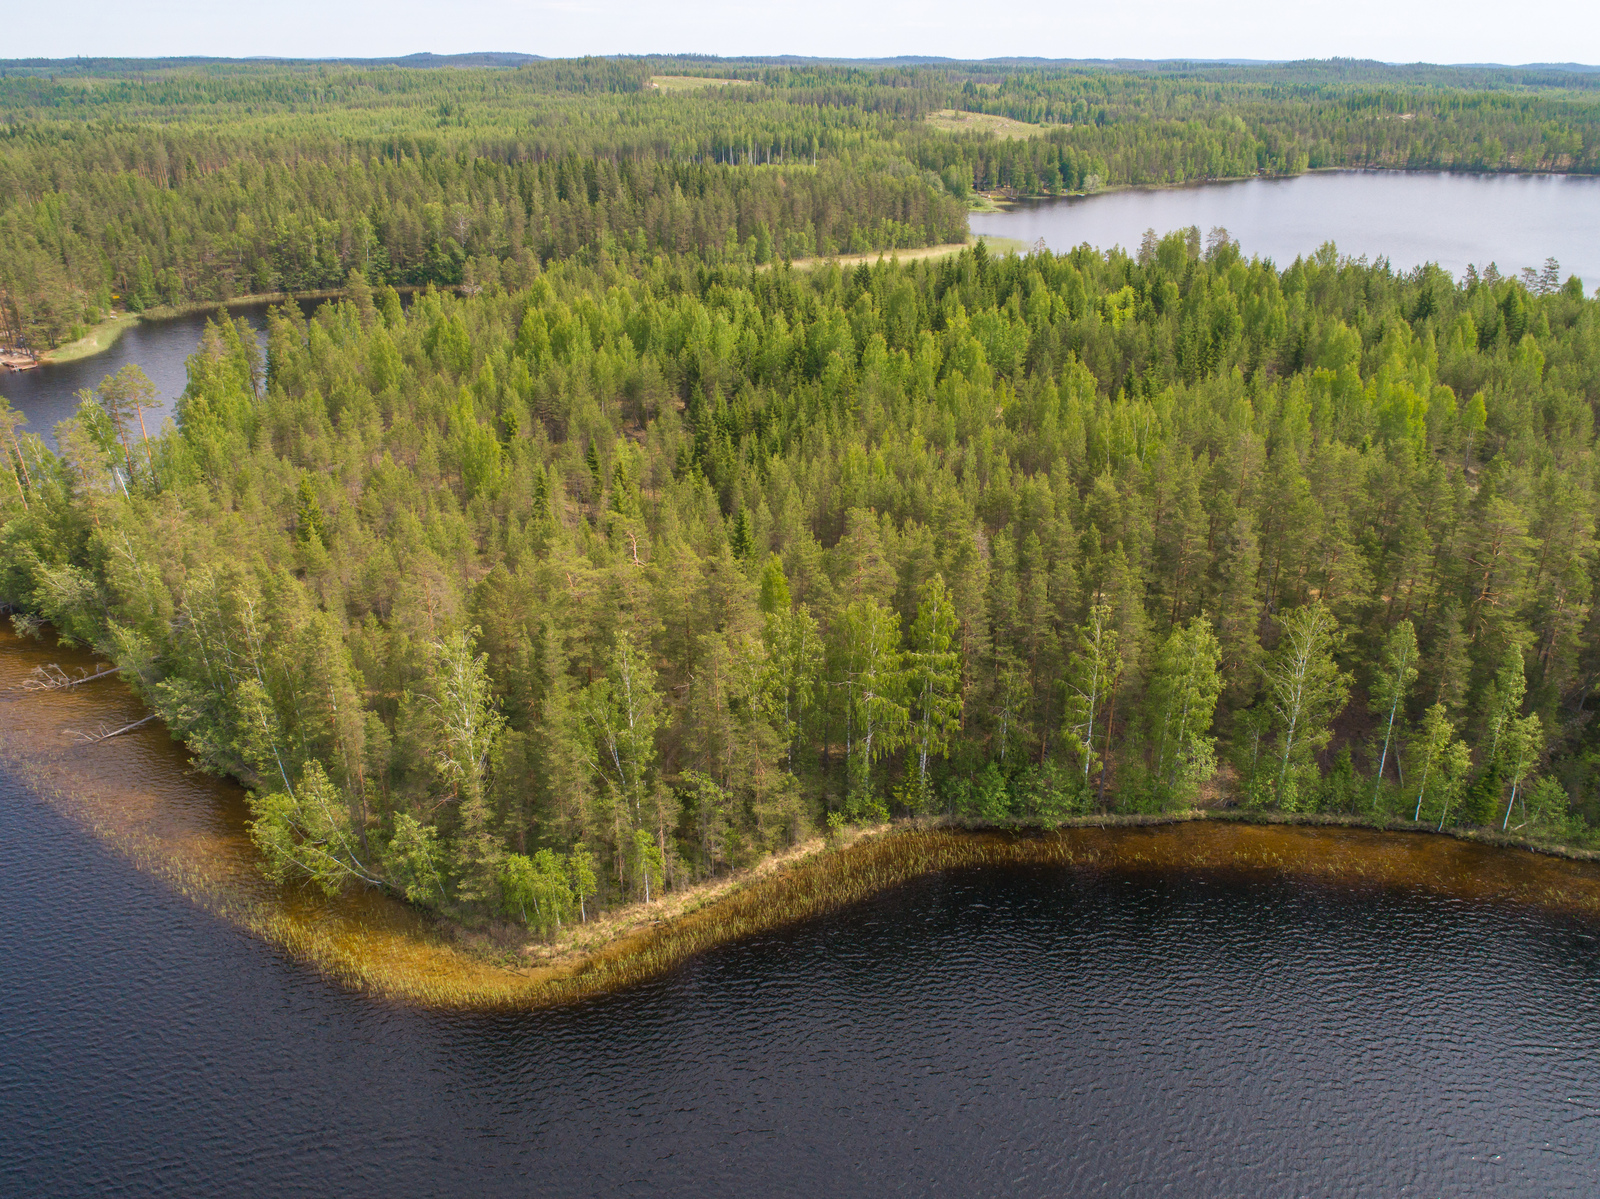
996,245
99,339
872,256
691,83
954,120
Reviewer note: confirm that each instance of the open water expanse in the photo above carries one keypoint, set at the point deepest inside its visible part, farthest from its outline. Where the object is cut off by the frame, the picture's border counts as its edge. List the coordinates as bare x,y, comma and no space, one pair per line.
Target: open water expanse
1025,1032
1410,217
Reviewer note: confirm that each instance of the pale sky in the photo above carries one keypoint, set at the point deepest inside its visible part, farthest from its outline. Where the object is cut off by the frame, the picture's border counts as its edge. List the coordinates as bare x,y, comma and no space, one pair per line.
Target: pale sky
1443,31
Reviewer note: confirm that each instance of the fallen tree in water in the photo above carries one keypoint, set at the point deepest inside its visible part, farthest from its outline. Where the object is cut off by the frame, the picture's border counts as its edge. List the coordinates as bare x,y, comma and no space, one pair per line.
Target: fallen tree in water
52,678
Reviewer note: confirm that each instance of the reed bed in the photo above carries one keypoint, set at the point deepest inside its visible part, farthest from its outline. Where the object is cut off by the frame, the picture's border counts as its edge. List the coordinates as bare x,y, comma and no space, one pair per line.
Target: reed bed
134,795
826,881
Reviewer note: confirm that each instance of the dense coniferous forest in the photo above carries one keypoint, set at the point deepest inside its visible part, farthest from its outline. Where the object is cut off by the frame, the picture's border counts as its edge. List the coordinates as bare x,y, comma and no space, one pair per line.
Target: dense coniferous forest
147,184
624,560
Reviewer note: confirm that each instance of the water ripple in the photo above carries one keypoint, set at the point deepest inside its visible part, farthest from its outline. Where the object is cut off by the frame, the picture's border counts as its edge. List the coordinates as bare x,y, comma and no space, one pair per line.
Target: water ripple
1034,1031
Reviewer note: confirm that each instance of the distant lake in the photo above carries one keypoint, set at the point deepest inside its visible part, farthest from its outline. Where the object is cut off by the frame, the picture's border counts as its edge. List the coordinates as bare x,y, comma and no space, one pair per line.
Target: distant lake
1410,217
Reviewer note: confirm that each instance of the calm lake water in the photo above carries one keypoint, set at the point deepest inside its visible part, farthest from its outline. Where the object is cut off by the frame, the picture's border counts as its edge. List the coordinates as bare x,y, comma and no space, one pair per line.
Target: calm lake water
1024,1032
1412,217
48,393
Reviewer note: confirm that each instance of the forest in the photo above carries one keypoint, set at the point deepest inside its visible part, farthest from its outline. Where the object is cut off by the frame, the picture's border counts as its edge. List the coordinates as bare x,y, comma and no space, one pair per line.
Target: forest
140,185
548,594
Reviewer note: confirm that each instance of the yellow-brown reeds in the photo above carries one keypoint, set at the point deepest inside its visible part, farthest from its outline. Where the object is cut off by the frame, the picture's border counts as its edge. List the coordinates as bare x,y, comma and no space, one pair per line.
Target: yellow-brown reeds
135,794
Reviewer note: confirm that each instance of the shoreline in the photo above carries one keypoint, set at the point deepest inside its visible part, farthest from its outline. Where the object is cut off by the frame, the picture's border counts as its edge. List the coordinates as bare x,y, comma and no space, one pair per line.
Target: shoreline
167,312
998,202
100,338
391,951
865,862
818,879
138,795
105,334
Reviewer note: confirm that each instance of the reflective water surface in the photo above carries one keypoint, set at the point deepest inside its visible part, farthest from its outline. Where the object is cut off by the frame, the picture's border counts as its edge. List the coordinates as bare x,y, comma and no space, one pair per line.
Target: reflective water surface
1412,217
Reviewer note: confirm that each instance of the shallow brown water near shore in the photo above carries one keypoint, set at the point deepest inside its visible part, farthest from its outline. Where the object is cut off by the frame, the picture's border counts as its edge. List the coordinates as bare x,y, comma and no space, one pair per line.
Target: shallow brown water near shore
140,793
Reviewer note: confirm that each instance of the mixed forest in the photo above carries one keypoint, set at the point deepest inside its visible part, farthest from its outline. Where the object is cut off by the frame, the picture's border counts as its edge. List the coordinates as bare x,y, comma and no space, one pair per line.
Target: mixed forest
632,560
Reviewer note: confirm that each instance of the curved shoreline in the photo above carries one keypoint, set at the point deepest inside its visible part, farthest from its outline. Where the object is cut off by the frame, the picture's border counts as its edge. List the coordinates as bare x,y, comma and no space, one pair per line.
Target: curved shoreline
998,202
103,335
1308,851
135,795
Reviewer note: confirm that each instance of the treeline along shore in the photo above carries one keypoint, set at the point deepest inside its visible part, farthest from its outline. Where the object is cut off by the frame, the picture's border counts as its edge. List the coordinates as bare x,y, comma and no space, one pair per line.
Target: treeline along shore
193,831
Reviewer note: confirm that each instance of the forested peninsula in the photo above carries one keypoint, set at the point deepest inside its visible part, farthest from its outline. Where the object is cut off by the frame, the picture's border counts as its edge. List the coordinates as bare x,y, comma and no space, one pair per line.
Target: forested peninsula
618,564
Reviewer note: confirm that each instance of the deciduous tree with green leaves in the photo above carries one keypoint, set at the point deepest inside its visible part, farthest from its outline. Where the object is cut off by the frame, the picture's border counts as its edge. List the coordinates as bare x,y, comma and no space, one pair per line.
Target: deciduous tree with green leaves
872,676
1184,688
934,678
1092,675
1393,678
1305,689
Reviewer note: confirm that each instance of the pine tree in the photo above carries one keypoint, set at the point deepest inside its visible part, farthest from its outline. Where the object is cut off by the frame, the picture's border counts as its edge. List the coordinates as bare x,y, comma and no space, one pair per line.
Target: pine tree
309,521
740,541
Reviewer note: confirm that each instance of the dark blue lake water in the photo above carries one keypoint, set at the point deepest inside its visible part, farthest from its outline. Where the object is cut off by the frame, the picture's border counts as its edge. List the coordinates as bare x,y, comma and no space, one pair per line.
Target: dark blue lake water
1026,1032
